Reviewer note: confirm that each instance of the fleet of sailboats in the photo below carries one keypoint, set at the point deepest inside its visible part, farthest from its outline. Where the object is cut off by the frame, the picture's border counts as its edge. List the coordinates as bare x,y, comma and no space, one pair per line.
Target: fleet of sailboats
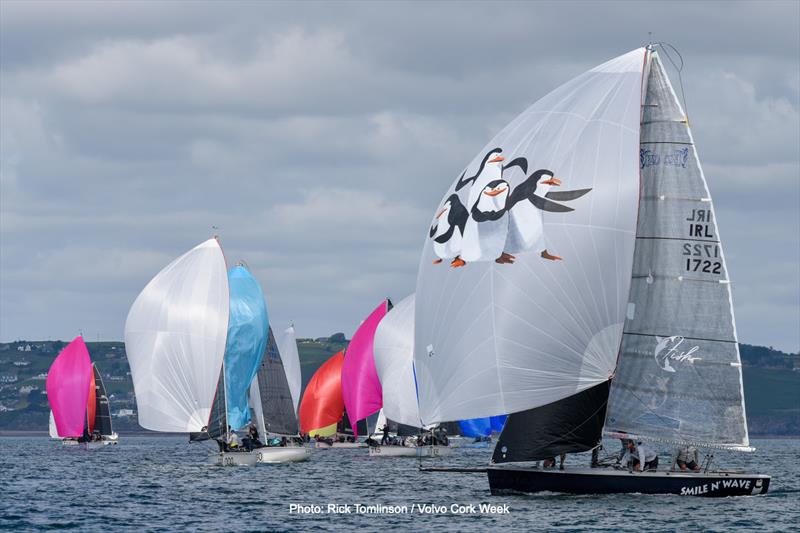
572,286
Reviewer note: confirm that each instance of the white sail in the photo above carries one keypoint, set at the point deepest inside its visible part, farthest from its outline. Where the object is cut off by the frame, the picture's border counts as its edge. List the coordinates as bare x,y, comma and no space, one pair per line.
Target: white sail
53,430
175,340
255,405
495,338
679,377
291,364
394,362
379,423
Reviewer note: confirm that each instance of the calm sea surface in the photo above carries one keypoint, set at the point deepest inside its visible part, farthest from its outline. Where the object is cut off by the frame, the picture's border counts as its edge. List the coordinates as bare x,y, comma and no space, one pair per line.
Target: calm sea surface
162,483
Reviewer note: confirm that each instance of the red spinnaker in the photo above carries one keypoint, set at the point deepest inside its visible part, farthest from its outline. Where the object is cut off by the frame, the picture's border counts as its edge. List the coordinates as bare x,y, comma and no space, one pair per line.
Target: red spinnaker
91,404
322,404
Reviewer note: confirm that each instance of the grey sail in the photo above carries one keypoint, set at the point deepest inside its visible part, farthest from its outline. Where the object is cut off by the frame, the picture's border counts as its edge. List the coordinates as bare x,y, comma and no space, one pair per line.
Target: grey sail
102,412
276,397
679,375
218,420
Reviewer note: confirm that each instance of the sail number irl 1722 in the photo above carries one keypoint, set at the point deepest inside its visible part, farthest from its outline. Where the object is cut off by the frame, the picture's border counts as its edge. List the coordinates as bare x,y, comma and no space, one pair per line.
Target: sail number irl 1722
702,257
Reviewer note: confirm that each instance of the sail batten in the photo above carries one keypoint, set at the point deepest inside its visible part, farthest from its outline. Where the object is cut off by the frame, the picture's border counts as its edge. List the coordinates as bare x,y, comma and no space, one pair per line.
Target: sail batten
679,376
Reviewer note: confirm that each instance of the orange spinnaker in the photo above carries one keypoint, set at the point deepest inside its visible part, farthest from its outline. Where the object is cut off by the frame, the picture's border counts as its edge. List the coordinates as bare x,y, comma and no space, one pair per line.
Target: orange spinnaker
322,404
91,404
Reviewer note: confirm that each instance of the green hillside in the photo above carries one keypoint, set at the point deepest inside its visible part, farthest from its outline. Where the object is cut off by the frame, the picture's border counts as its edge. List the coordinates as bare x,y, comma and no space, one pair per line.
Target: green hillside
771,382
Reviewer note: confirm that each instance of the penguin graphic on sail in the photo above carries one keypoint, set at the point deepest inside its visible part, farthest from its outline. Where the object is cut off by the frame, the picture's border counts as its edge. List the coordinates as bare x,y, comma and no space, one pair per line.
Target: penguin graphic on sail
448,228
501,221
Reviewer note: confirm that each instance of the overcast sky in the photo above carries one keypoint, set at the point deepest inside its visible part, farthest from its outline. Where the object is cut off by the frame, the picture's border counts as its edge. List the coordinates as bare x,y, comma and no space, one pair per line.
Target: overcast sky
320,138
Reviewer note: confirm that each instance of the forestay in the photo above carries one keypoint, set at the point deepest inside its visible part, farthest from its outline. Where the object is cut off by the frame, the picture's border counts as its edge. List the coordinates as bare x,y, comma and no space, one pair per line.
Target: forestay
560,181
679,377
175,340
394,363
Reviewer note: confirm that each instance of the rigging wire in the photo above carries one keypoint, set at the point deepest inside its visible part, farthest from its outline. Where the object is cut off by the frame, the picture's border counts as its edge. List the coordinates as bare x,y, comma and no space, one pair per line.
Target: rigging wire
679,69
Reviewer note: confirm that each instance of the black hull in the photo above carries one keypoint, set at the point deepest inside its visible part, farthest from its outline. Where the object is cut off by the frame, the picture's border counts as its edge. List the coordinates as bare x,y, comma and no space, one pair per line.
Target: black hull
527,480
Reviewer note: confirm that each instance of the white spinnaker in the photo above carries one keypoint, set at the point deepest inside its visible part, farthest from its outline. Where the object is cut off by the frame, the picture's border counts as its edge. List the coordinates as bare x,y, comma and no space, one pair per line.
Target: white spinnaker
492,339
175,340
291,364
53,429
394,362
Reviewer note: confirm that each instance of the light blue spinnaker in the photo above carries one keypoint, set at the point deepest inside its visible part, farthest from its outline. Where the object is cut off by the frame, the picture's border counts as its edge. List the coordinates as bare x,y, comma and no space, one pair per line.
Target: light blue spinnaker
248,328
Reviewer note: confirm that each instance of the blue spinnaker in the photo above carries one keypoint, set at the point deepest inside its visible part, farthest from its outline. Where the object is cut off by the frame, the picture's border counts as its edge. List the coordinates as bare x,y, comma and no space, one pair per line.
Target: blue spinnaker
498,422
248,328
476,427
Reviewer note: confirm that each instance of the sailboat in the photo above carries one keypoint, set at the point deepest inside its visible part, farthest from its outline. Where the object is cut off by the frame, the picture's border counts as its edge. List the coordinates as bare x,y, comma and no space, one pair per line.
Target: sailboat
274,396
245,346
586,292
76,417
394,365
175,337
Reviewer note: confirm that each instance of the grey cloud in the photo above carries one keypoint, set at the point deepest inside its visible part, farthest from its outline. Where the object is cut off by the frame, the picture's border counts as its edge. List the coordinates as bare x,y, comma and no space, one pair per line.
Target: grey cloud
320,137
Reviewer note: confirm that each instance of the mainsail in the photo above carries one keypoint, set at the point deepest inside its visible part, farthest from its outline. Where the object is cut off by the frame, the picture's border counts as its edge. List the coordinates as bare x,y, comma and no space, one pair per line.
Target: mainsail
276,404
53,430
290,358
175,340
394,363
67,385
361,388
102,410
502,323
679,377
322,406
246,342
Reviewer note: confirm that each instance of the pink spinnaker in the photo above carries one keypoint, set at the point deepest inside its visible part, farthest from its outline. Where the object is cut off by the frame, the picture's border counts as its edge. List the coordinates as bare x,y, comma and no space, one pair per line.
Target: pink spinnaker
68,388
361,388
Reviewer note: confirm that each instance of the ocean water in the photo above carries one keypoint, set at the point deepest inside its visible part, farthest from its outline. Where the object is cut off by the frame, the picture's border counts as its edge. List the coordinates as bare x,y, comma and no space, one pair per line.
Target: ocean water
164,483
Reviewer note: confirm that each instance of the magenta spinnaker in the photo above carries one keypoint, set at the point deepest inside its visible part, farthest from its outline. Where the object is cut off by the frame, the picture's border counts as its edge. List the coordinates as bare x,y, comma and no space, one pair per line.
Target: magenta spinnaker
361,388
68,388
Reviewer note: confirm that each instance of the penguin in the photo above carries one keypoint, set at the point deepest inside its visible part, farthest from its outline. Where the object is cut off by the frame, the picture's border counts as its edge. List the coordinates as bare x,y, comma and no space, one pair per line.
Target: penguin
461,183
485,231
525,205
448,228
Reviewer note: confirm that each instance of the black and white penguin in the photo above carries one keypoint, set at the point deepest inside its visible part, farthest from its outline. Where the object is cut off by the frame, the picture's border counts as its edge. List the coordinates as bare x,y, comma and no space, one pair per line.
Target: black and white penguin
525,205
487,226
447,229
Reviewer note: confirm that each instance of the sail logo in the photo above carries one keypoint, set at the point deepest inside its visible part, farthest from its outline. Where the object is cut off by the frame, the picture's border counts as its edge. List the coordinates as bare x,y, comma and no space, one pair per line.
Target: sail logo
677,158
672,349
648,158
